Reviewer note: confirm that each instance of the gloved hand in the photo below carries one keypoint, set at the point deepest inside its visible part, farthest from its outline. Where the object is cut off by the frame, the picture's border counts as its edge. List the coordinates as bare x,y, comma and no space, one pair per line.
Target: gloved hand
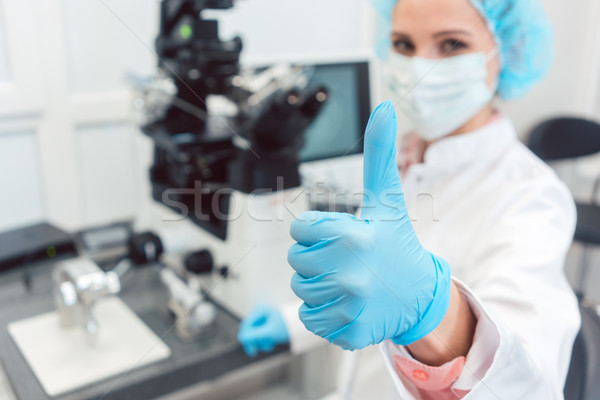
368,279
262,330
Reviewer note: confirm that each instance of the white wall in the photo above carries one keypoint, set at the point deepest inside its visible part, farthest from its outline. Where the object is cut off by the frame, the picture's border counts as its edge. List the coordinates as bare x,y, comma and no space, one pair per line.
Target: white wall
308,29
20,180
572,85
4,72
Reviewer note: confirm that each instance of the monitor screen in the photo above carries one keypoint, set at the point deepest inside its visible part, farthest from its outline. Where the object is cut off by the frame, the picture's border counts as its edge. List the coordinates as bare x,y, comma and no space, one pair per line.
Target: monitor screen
338,129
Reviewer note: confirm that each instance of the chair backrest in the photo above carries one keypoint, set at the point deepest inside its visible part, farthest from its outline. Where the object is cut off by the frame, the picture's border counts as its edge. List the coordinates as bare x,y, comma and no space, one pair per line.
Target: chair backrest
563,138
583,380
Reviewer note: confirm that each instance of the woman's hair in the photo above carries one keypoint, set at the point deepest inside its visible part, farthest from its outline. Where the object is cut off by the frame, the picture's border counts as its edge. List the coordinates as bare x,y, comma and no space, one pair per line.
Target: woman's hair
522,33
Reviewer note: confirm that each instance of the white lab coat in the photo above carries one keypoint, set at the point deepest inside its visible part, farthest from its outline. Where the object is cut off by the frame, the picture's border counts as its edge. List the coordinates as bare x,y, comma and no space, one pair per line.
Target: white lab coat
504,222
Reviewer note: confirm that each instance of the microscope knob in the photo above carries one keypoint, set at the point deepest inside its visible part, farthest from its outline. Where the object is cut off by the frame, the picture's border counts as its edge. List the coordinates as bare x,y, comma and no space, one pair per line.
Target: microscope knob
224,271
145,247
200,262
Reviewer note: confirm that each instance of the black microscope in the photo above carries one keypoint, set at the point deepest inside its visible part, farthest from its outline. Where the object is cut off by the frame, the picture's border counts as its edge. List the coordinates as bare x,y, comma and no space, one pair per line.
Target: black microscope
231,173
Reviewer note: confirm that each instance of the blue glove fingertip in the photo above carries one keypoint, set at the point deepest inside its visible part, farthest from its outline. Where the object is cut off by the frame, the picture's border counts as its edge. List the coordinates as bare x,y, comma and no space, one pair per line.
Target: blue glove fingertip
250,350
383,117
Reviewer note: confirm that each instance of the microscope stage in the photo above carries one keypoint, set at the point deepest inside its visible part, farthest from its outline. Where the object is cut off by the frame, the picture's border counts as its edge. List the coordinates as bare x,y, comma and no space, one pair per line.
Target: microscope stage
65,359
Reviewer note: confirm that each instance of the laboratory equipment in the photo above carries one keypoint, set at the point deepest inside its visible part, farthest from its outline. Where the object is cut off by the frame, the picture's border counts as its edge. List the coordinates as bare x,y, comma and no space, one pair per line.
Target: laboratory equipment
26,245
322,109
64,359
137,353
193,313
228,143
79,284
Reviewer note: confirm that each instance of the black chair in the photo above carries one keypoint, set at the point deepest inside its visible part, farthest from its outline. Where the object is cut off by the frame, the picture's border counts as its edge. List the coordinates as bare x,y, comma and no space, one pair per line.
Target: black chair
583,379
570,138
562,139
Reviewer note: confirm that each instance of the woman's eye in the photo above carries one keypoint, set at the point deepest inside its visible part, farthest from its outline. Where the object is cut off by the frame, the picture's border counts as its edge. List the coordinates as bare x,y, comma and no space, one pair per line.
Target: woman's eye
452,46
403,46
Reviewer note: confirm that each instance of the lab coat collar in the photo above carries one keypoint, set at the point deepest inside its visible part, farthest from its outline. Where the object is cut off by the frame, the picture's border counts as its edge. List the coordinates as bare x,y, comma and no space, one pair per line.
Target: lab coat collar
453,152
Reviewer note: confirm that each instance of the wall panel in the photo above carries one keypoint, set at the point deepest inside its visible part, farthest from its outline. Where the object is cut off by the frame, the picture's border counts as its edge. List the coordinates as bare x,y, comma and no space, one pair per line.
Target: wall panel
20,182
108,185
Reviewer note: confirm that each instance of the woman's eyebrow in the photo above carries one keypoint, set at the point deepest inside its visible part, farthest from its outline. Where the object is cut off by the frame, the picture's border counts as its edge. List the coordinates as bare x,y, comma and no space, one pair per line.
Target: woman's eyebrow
452,32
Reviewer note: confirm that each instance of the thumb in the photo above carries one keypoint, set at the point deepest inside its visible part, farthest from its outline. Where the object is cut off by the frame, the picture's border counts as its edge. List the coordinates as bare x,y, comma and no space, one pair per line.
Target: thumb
381,178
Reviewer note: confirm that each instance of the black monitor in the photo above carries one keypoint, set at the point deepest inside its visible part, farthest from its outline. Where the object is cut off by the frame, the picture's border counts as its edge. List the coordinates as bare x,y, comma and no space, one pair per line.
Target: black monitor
339,128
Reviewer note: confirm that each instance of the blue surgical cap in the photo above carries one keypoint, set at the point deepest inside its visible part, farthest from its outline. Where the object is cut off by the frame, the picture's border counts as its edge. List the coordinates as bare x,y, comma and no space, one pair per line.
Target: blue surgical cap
522,32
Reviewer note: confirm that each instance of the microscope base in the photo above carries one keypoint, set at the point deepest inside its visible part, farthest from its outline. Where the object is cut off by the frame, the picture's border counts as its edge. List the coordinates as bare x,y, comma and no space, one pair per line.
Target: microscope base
65,359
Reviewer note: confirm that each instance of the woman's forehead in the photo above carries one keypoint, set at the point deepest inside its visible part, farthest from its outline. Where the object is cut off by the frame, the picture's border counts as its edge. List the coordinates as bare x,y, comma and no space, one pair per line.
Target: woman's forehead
435,16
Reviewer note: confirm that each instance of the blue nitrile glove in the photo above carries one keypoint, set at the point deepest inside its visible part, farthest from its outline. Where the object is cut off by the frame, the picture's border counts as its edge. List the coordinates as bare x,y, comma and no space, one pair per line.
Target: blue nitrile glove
262,330
368,279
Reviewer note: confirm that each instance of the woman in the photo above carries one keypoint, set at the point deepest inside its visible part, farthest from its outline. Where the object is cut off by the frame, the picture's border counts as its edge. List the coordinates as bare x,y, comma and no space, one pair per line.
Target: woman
469,301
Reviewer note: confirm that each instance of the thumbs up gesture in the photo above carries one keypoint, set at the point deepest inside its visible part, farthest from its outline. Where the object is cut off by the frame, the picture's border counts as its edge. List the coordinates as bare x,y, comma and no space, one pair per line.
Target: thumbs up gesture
368,279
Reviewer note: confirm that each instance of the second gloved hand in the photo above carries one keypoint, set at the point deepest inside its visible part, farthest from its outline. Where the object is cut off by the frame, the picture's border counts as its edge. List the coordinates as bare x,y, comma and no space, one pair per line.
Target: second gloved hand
262,330
368,279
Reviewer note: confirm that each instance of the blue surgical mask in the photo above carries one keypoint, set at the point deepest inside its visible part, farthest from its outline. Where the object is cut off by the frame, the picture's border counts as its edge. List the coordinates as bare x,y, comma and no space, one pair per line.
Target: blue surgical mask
439,95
